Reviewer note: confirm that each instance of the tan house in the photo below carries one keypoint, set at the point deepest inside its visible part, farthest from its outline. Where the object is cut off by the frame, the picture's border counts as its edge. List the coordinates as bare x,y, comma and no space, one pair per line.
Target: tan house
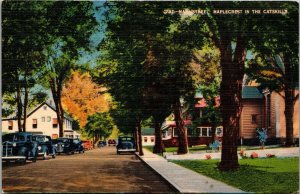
262,109
41,120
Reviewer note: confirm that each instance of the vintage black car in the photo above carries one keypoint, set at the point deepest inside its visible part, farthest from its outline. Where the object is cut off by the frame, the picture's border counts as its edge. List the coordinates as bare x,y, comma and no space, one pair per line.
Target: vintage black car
68,146
126,144
78,144
19,147
64,145
45,146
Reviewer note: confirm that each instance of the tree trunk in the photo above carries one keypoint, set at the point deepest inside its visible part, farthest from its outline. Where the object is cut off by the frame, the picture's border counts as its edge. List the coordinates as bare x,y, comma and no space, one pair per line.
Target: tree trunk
141,153
19,104
182,131
137,139
159,145
56,97
231,100
289,116
25,106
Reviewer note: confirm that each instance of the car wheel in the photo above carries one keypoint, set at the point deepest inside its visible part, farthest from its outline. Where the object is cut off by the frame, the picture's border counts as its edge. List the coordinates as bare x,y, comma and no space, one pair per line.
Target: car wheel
53,156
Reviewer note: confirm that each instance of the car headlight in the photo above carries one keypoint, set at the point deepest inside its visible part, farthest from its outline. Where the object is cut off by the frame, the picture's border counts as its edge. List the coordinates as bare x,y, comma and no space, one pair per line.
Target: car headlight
62,145
14,144
39,147
55,145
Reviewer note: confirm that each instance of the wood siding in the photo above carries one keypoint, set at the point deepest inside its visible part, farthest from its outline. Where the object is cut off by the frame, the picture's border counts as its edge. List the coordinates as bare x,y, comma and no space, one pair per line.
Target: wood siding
251,107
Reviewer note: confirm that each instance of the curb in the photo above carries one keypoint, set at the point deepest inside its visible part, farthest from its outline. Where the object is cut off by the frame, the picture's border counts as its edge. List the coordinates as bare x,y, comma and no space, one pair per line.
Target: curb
166,180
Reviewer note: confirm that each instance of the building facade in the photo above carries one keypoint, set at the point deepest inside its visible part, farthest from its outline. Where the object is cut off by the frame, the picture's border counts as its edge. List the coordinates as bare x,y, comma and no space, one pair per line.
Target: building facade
41,120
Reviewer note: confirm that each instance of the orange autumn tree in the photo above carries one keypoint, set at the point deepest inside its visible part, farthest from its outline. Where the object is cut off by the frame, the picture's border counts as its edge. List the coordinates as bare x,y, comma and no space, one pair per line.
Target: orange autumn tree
82,97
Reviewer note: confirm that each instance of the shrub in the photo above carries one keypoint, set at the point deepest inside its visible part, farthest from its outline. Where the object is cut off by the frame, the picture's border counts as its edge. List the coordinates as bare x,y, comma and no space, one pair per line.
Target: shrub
254,155
243,154
270,155
208,157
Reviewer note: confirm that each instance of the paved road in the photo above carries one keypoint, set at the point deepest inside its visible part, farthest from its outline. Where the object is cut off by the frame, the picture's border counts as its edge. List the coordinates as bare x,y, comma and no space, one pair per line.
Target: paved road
98,170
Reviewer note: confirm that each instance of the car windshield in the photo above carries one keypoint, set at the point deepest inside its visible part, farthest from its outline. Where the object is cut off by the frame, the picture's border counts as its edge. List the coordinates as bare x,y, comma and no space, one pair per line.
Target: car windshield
13,137
126,138
38,138
60,140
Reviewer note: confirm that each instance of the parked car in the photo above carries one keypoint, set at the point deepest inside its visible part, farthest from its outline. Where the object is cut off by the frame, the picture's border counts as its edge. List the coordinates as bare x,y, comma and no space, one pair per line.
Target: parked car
101,144
87,145
64,145
45,146
111,142
78,145
126,144
19,147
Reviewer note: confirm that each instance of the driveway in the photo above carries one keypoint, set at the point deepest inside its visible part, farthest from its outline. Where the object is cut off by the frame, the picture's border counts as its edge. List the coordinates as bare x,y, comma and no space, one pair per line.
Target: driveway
98,170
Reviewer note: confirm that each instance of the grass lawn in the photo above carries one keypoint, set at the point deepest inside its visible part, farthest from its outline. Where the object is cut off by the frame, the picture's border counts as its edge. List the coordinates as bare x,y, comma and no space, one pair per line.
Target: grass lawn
255,175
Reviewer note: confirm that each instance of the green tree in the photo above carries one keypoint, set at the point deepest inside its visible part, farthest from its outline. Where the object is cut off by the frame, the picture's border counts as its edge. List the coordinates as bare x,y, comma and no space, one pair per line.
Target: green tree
152,60
276,64
22,53
233,34
99,125
64,44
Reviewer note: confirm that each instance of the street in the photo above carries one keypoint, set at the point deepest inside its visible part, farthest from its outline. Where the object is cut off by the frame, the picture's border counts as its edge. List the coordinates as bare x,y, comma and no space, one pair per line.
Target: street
98,170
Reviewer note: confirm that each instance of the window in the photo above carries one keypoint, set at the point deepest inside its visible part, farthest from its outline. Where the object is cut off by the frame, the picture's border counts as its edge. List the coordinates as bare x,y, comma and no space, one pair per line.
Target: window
45,107
10,125
145,139
54,136
203,132
152,139
34,123
48,119
43,119
219,131
54,122
175,131
190,132
201,113
254,118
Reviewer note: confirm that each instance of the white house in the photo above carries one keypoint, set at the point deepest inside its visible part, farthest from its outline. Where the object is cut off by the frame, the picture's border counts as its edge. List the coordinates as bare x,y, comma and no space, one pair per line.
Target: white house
148,137
41,120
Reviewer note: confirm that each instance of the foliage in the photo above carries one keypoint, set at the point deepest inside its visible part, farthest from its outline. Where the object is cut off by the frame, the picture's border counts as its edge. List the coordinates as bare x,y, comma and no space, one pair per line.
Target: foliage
276,64
208,156
270,155
243,154
99,124
272,175
81,97
262,135
254,155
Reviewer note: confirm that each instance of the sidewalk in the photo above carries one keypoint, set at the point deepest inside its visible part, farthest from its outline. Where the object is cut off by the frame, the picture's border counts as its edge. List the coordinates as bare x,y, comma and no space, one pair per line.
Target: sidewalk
278,152
185,180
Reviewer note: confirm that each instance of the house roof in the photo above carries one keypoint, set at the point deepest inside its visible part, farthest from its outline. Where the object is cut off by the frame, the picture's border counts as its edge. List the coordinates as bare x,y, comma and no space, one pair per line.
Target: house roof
148,131
251,92
248,92
13,116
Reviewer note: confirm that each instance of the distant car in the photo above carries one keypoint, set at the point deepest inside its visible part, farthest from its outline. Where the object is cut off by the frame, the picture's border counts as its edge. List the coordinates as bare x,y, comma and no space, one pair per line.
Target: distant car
111,142
101,144
19,147
126,144
64,145
45,146
87,145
